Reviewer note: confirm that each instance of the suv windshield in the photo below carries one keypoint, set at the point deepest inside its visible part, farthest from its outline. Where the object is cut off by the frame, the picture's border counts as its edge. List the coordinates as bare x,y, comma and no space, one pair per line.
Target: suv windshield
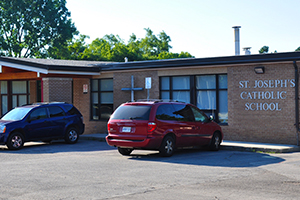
133,112
16,114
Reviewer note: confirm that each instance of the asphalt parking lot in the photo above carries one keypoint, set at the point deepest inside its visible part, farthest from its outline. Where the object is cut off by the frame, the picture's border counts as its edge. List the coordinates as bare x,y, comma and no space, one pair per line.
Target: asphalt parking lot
93,170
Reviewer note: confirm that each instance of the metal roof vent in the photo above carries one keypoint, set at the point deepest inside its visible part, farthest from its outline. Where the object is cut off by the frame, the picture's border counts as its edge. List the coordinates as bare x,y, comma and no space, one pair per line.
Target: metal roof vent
247,50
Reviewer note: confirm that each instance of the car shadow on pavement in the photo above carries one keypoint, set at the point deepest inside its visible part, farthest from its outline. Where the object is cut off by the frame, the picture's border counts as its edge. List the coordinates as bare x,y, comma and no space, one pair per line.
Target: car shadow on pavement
202,157
58,146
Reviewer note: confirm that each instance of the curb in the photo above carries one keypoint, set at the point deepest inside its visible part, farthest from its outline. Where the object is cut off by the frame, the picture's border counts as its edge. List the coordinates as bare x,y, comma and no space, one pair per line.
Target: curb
226,145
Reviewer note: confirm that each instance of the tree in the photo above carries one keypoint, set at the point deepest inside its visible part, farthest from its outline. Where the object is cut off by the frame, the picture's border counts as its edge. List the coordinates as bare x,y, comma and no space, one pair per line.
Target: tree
135,52
108,48
113,48
73,50
298,49
29,28
264,49
169,55
149,44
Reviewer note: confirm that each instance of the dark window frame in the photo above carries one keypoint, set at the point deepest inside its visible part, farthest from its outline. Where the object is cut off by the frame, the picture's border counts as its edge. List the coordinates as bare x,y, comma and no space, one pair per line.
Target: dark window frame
99,93
10,94
171,90
193,92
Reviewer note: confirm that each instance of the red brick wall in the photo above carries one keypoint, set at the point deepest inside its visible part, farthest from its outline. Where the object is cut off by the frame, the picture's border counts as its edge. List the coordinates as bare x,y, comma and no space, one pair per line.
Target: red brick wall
82,102
123,80
260,124
33,91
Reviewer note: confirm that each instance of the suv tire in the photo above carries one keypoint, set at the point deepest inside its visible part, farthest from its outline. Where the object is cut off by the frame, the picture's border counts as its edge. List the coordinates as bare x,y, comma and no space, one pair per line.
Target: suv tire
71,136
15,141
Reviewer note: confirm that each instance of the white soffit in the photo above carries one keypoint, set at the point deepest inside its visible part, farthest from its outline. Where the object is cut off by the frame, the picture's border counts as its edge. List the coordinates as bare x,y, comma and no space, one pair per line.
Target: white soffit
73,72
23,67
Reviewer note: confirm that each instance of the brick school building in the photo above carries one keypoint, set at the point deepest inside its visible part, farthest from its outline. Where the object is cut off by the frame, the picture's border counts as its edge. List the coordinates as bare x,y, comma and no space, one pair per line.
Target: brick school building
254,98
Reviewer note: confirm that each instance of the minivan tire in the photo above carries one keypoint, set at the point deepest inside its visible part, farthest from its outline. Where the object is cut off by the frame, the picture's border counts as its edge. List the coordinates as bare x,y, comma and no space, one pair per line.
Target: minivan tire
167,147
15,141
125,151
215,142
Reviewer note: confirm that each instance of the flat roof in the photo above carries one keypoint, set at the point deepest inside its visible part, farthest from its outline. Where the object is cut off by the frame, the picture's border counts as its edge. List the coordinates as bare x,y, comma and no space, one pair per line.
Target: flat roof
56,65
227,60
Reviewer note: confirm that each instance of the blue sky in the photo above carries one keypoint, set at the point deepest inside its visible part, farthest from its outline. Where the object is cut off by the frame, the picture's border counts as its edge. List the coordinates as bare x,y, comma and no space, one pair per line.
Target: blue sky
202,28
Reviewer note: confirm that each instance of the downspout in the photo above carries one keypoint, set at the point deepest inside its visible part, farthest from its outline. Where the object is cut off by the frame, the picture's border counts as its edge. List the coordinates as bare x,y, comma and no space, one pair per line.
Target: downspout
297,99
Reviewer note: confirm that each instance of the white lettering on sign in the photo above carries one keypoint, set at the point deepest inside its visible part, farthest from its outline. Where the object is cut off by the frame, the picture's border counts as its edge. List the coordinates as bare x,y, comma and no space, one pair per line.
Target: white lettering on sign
273,93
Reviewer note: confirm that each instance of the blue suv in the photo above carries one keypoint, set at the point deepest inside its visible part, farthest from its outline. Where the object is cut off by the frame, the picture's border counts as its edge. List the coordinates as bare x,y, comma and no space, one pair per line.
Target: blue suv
40,122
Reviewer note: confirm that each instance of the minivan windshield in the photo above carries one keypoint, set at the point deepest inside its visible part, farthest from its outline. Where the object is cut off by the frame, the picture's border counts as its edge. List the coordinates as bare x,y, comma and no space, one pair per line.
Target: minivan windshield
16,114
133,112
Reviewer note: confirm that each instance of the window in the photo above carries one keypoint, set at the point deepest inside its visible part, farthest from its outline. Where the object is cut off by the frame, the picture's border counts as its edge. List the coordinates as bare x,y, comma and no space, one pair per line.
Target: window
13,94
176,88
39,113
102,98
132,112
55,111
207,92
199,117
183,113
71,109
165,112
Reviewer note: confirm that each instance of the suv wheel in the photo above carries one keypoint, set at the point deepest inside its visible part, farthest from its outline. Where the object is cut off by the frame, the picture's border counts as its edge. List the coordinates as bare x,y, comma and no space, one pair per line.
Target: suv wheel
71,136
215,142
15,141
125,151
167,147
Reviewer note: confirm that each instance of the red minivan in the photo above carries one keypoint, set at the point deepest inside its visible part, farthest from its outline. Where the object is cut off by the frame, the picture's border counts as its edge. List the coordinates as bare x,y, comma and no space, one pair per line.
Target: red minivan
162,126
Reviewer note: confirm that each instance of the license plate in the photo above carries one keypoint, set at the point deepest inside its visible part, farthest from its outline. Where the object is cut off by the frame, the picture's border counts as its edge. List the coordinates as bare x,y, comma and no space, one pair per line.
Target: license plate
126,129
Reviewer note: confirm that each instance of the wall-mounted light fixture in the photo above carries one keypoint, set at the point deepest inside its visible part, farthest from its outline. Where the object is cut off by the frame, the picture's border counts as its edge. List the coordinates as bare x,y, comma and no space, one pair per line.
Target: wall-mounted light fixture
259,70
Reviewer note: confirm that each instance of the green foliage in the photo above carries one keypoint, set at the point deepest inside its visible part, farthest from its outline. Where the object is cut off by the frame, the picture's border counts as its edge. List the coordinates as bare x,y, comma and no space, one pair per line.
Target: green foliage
298,49
113,48
264,49
108,48
34,28
72,50
169,55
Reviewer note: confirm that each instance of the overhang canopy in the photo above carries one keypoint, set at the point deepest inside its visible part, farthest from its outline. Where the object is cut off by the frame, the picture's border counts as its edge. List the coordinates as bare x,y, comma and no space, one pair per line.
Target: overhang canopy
33,68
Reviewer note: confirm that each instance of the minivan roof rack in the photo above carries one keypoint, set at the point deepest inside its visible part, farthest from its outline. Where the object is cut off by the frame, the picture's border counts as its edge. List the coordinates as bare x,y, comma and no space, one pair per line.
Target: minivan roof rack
42,103
158,100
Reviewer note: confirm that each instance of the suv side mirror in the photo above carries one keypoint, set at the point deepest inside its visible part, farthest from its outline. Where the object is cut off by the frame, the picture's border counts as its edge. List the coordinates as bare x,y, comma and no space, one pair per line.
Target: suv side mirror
211,118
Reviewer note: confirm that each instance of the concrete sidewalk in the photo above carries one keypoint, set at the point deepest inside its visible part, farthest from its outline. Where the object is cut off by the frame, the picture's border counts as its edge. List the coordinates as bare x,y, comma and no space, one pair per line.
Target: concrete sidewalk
226,145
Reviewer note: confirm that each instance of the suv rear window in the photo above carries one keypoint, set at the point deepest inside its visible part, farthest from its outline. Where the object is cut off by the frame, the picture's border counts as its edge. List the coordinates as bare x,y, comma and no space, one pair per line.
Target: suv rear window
71,109
132,112
56,111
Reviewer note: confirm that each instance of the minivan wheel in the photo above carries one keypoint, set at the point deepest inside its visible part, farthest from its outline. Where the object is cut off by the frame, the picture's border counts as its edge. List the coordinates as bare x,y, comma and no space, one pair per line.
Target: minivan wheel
215,142
71,136
167,147
15,141
125,151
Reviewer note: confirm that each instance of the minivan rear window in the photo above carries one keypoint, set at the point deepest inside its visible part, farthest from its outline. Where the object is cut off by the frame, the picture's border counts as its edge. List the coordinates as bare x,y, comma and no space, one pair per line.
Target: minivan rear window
133,112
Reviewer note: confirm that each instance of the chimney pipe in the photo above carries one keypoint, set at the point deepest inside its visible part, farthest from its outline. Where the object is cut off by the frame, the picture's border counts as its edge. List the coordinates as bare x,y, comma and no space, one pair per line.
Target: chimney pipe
237,39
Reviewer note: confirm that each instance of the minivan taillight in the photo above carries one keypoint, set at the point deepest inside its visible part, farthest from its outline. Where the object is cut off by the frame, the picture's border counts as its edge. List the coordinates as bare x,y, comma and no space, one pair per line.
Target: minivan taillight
108,126
151,126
